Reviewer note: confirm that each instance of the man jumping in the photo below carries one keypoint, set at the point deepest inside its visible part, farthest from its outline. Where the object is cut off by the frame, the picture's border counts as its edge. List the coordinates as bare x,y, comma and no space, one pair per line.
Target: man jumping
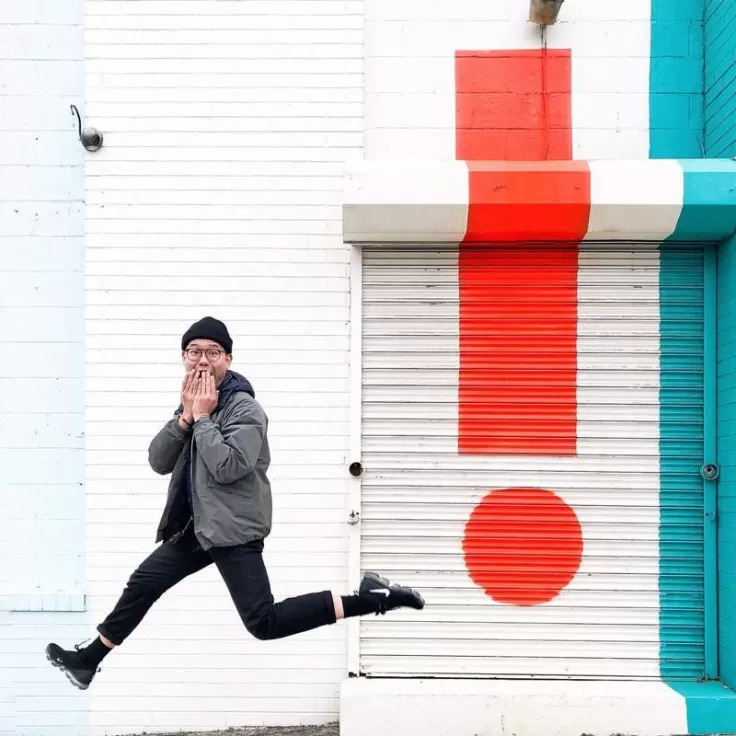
218,510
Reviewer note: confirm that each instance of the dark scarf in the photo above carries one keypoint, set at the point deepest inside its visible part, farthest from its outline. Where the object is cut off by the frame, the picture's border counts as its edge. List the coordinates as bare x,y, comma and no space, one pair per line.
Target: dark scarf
231,384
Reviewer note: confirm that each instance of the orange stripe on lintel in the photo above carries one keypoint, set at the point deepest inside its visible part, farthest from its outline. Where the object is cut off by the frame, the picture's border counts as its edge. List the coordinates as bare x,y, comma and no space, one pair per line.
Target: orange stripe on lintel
512,202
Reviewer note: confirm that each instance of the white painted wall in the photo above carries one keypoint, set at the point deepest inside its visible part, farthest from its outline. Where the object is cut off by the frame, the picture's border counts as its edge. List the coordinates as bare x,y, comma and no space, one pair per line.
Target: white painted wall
227,127
41,390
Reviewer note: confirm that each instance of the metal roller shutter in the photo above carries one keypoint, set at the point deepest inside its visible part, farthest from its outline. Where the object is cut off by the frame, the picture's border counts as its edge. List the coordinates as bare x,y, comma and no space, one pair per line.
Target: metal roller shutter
641,537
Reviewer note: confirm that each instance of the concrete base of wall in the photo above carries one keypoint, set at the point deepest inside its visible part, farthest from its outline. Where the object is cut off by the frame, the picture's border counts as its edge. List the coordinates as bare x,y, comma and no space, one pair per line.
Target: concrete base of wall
398,707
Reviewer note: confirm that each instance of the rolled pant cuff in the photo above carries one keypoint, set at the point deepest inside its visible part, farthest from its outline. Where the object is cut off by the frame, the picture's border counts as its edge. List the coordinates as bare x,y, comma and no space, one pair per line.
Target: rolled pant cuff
101,630
330,605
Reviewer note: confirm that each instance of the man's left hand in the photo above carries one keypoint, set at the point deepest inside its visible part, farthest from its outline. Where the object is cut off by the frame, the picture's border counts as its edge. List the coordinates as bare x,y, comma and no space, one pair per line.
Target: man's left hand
205,399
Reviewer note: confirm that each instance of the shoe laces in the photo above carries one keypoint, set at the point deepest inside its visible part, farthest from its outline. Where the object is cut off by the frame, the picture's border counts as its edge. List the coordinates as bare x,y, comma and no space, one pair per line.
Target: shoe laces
81,644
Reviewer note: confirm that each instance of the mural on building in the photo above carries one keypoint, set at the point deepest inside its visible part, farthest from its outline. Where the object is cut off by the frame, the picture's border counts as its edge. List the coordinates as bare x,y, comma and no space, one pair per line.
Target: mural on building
518,349
554,483
523,546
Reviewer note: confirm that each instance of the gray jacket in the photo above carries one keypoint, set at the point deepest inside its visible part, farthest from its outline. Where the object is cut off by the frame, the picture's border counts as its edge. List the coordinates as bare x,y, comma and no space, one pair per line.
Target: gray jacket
229,458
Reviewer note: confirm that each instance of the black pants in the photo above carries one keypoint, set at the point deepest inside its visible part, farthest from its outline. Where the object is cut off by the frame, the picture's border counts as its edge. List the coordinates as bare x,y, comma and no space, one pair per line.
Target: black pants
246,578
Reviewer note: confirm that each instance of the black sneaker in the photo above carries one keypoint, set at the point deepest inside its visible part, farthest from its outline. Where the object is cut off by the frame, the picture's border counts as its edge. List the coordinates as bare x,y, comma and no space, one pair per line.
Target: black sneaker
386,596
79,674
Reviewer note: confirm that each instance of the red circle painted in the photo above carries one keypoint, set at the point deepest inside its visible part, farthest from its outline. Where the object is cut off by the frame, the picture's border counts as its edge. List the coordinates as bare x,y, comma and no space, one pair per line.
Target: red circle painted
523,546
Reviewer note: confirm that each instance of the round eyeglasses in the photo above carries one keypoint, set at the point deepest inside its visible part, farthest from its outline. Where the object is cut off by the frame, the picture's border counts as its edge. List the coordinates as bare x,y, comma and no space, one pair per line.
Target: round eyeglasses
213,354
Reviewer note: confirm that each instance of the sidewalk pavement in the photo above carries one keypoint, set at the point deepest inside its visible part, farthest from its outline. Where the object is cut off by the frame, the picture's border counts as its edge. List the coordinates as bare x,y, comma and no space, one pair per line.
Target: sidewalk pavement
331,729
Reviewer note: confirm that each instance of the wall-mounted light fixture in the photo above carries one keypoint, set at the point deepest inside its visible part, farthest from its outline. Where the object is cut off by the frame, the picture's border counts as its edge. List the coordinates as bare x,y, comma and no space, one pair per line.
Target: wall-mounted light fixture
91,138
544,12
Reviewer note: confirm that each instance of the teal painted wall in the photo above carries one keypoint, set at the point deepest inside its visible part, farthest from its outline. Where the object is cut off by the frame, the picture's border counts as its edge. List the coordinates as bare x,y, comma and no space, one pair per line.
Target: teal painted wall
676,79
720,142
720,78
727,459
693,115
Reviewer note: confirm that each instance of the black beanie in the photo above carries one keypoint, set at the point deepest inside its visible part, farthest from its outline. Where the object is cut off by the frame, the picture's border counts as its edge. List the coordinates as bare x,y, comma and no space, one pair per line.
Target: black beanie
208,328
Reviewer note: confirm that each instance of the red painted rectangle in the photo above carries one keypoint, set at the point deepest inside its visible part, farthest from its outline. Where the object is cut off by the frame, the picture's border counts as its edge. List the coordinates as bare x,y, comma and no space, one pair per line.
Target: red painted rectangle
518,303
513,105
518,356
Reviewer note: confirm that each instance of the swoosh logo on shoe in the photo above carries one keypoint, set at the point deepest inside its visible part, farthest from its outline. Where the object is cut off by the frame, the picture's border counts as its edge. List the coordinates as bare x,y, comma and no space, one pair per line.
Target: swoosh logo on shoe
382,591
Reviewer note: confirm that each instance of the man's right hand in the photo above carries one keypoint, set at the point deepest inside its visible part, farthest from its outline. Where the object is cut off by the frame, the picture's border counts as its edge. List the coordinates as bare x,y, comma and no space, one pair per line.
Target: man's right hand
188,392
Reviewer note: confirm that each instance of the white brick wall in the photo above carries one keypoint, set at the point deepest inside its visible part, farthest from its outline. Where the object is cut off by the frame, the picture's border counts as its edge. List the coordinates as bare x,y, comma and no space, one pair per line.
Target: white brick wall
227,125
410,71
41,390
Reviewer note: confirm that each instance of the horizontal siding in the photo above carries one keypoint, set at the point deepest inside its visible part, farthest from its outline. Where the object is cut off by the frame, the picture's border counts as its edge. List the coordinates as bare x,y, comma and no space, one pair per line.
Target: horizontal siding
227,126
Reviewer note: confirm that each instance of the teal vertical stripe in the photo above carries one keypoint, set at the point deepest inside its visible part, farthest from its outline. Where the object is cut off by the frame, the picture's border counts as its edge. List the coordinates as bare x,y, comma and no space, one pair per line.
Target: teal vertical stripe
710,408
691,312
676,79
681,455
